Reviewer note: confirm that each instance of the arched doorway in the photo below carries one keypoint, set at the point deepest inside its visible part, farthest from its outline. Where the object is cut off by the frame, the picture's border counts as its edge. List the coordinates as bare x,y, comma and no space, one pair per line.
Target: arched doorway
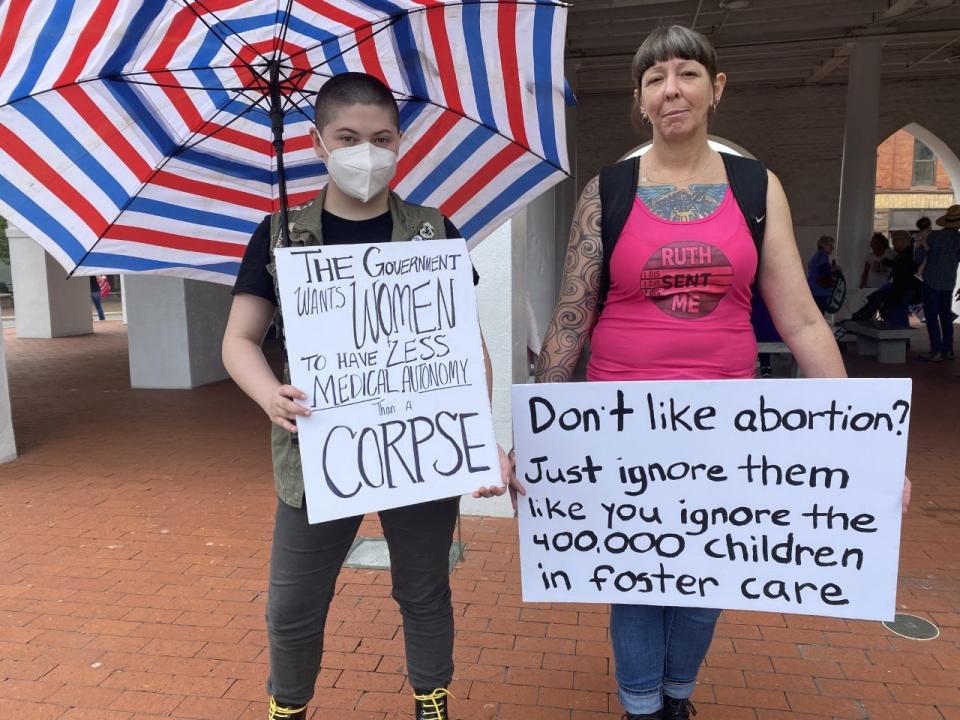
917,174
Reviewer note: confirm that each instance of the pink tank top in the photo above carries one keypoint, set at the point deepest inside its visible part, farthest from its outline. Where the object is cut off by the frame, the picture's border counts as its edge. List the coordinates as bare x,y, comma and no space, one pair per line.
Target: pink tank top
679,300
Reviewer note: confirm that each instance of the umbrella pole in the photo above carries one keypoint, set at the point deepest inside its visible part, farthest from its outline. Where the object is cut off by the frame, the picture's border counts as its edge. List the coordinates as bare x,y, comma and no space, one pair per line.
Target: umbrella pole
276,124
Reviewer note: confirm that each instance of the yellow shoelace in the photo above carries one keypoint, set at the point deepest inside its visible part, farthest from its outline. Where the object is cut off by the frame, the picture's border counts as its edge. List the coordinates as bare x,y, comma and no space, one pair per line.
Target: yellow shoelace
435,704
279,712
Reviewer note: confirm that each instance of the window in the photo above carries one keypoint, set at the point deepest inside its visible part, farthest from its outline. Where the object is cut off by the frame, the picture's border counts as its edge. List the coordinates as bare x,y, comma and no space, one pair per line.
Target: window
924,165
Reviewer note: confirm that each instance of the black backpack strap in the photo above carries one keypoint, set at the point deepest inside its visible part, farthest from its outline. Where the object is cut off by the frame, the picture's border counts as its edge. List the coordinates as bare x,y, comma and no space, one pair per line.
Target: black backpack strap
748,182
618,187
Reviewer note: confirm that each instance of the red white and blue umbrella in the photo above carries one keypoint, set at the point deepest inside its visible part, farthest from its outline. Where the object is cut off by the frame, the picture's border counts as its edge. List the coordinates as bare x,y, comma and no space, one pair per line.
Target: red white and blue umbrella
135,135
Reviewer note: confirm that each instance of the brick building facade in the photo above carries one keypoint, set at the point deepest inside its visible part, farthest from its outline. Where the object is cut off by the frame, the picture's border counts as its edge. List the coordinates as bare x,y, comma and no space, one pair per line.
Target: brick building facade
911,182
902,166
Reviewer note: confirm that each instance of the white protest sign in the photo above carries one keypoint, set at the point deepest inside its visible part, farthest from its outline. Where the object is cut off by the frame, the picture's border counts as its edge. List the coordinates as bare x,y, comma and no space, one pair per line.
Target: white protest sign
385,342
775,495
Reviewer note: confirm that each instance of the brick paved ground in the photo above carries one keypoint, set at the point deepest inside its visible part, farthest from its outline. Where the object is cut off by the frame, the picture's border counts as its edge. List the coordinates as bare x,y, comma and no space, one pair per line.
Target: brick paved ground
133,558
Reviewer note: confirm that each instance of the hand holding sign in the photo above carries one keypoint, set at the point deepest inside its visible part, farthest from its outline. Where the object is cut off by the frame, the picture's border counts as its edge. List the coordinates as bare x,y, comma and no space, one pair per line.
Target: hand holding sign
508,479
282,408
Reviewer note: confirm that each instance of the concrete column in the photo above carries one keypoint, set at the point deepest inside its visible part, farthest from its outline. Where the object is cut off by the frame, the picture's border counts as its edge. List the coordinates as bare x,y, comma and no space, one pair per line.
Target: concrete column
496,305
48,303
859,170
8,447
175,331
543,257
123,299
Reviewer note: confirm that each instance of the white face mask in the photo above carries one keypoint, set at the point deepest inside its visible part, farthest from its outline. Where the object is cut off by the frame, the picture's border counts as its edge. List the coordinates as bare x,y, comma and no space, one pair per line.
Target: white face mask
361,171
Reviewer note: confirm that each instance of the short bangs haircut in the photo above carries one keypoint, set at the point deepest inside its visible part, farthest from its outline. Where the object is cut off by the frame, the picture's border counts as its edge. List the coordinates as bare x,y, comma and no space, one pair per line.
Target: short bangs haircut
674,41
353,88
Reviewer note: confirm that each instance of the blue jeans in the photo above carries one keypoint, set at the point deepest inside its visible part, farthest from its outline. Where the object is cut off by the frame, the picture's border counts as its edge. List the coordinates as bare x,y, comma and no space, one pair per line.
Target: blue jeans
658,651
95,299
939,316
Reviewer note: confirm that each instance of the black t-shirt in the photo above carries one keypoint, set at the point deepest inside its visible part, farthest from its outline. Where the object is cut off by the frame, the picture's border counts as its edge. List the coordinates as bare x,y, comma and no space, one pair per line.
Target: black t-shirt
902,279
254,278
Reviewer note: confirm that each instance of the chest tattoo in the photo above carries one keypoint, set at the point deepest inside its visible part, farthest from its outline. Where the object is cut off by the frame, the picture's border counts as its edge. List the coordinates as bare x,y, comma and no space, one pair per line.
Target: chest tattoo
682,205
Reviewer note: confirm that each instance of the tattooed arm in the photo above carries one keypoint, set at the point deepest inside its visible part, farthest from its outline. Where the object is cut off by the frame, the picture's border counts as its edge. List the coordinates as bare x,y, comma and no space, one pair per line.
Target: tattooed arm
576,310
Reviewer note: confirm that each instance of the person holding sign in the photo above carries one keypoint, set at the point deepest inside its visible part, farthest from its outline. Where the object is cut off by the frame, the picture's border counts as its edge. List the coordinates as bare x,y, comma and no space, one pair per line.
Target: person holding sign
673,303
357,135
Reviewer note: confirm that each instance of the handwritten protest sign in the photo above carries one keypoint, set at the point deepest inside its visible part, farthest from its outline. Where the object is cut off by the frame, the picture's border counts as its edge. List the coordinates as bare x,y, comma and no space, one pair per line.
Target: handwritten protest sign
384,340
749,494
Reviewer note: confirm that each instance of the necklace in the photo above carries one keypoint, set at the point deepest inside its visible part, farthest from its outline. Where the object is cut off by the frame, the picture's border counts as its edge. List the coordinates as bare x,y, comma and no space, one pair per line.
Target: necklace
645,177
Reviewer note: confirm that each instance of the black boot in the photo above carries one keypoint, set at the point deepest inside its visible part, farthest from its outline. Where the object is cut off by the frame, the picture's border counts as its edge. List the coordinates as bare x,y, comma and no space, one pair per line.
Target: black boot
677,708
431,704
279,711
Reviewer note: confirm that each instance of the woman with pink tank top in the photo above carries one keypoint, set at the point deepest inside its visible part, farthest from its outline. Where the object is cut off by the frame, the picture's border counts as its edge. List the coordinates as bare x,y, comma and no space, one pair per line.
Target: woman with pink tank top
678,306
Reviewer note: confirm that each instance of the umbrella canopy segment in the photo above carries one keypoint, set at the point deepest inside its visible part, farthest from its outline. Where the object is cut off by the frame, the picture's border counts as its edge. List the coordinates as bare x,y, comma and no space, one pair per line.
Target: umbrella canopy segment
135,135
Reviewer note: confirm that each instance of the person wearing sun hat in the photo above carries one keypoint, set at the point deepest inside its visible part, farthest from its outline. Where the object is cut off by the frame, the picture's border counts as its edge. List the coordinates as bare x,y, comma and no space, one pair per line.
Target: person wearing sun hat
941,251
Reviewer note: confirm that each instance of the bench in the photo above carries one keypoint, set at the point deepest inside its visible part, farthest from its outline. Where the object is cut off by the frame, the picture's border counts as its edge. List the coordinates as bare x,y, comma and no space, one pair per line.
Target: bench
779,348
888,344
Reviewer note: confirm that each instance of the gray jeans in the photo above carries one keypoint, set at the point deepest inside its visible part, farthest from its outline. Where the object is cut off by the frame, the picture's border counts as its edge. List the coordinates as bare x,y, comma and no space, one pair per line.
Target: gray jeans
304,565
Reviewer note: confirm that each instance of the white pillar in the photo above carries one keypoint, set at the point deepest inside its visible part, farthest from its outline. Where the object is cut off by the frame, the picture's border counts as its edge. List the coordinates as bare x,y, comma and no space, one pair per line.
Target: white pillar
8,447
175,330
48,303
543,253
859,169
123,300
495,302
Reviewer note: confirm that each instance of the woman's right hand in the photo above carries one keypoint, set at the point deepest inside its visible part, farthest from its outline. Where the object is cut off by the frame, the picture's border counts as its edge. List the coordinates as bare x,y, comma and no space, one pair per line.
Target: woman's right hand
281,408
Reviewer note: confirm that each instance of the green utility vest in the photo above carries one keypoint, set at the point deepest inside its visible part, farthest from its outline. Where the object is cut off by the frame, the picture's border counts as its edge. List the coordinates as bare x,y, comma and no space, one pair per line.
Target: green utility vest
410,222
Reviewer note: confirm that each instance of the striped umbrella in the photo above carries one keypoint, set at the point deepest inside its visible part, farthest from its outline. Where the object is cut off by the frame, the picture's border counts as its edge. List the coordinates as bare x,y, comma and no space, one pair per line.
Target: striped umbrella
135,135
